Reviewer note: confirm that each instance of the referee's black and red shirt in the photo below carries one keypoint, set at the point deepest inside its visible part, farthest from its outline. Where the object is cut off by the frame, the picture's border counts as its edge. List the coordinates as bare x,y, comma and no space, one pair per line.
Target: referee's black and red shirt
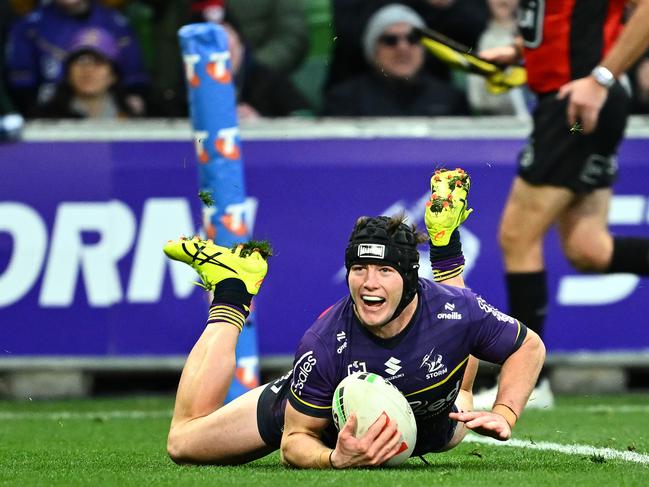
566,39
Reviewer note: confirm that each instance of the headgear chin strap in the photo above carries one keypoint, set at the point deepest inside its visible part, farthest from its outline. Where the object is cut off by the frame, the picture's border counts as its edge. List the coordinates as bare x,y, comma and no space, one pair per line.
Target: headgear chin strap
375,241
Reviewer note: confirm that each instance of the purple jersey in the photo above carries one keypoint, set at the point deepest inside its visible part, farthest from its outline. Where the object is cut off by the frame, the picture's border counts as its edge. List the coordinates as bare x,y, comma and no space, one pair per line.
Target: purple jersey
38,45
425,361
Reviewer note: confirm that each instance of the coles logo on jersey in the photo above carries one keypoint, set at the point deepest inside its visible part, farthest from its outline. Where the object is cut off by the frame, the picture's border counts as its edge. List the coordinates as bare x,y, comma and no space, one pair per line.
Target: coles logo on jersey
303,367
434,365
487,308
372,251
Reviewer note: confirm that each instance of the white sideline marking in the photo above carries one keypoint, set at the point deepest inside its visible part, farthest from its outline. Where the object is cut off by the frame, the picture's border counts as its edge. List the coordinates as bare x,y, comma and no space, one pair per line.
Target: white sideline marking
585,450
100,415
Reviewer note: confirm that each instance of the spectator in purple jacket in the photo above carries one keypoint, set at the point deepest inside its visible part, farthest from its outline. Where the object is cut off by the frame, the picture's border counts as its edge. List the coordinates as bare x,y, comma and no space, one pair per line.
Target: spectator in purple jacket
91,85
38,46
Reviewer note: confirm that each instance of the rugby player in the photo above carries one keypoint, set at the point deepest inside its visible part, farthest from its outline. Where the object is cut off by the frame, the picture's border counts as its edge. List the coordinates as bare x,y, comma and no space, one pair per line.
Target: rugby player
423,336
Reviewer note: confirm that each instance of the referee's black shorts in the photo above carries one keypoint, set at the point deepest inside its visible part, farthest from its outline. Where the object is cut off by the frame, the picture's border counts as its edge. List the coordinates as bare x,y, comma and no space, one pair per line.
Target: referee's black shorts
558,156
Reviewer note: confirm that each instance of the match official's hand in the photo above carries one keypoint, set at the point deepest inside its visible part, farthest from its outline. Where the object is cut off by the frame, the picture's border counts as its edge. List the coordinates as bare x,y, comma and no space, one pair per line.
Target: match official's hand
585,100
380,443
485,423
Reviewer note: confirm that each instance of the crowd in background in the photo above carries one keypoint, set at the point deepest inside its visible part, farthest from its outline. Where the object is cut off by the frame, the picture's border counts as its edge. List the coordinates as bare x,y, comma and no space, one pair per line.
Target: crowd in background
113,59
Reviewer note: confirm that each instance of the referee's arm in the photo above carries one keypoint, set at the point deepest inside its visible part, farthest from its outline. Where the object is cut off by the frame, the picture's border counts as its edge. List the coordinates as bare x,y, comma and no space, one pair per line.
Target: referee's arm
633,41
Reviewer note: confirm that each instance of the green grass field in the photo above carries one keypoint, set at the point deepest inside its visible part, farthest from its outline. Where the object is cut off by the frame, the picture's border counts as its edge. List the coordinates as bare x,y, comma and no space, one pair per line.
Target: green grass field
122,442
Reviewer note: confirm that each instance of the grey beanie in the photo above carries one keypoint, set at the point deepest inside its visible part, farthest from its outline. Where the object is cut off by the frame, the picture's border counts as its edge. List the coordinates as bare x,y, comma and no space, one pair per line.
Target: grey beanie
383,18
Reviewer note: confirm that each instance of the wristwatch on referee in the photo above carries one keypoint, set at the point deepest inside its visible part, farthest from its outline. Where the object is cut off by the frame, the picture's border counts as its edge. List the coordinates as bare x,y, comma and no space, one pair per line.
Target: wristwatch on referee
603,76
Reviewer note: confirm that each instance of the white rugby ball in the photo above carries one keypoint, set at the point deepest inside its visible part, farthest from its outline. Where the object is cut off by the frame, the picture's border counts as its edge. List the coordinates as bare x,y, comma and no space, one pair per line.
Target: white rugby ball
369,395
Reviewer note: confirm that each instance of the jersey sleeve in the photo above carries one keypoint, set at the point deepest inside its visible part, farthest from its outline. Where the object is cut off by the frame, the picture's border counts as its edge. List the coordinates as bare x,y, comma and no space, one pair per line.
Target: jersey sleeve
313,383
495,335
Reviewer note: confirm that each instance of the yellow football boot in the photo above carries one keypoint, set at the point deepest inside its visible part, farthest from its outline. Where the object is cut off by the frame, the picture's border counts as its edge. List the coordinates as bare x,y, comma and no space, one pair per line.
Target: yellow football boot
214,263
447,208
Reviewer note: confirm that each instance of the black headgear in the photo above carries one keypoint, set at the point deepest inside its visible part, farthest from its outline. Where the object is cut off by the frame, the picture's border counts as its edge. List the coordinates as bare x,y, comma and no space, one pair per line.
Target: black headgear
373,241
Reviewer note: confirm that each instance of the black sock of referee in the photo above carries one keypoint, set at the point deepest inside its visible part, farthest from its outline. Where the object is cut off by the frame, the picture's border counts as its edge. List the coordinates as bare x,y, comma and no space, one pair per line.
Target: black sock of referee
528,300
630,254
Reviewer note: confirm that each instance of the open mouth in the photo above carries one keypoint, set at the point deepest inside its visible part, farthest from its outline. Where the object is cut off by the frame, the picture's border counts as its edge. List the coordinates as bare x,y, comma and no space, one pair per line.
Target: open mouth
373,301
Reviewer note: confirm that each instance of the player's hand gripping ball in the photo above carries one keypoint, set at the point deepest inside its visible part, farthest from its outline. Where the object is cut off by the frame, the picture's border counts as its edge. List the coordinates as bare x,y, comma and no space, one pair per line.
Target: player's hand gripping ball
368,396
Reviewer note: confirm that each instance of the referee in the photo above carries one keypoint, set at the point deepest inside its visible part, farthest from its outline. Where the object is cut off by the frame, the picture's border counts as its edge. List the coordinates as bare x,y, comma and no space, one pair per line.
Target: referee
575,54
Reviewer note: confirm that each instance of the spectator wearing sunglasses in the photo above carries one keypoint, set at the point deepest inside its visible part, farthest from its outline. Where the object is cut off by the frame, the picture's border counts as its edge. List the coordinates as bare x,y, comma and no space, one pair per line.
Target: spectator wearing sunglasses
397,85
462,20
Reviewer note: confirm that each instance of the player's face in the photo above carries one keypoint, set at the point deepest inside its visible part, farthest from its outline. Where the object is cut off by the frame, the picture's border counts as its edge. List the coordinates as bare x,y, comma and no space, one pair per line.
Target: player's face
376,290
399,54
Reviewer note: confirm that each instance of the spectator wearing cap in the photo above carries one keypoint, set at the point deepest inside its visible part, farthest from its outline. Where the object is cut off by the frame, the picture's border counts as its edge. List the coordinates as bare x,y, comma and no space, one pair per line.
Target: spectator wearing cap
397,84
38,46
91,86
461,20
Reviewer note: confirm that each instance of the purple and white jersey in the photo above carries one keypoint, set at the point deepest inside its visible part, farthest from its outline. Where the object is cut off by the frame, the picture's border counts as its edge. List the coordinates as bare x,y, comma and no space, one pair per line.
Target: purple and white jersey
425,361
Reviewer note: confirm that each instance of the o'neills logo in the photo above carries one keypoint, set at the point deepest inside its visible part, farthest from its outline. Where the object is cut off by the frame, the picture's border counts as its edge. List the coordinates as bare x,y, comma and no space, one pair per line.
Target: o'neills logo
374,251
301,371
449,316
